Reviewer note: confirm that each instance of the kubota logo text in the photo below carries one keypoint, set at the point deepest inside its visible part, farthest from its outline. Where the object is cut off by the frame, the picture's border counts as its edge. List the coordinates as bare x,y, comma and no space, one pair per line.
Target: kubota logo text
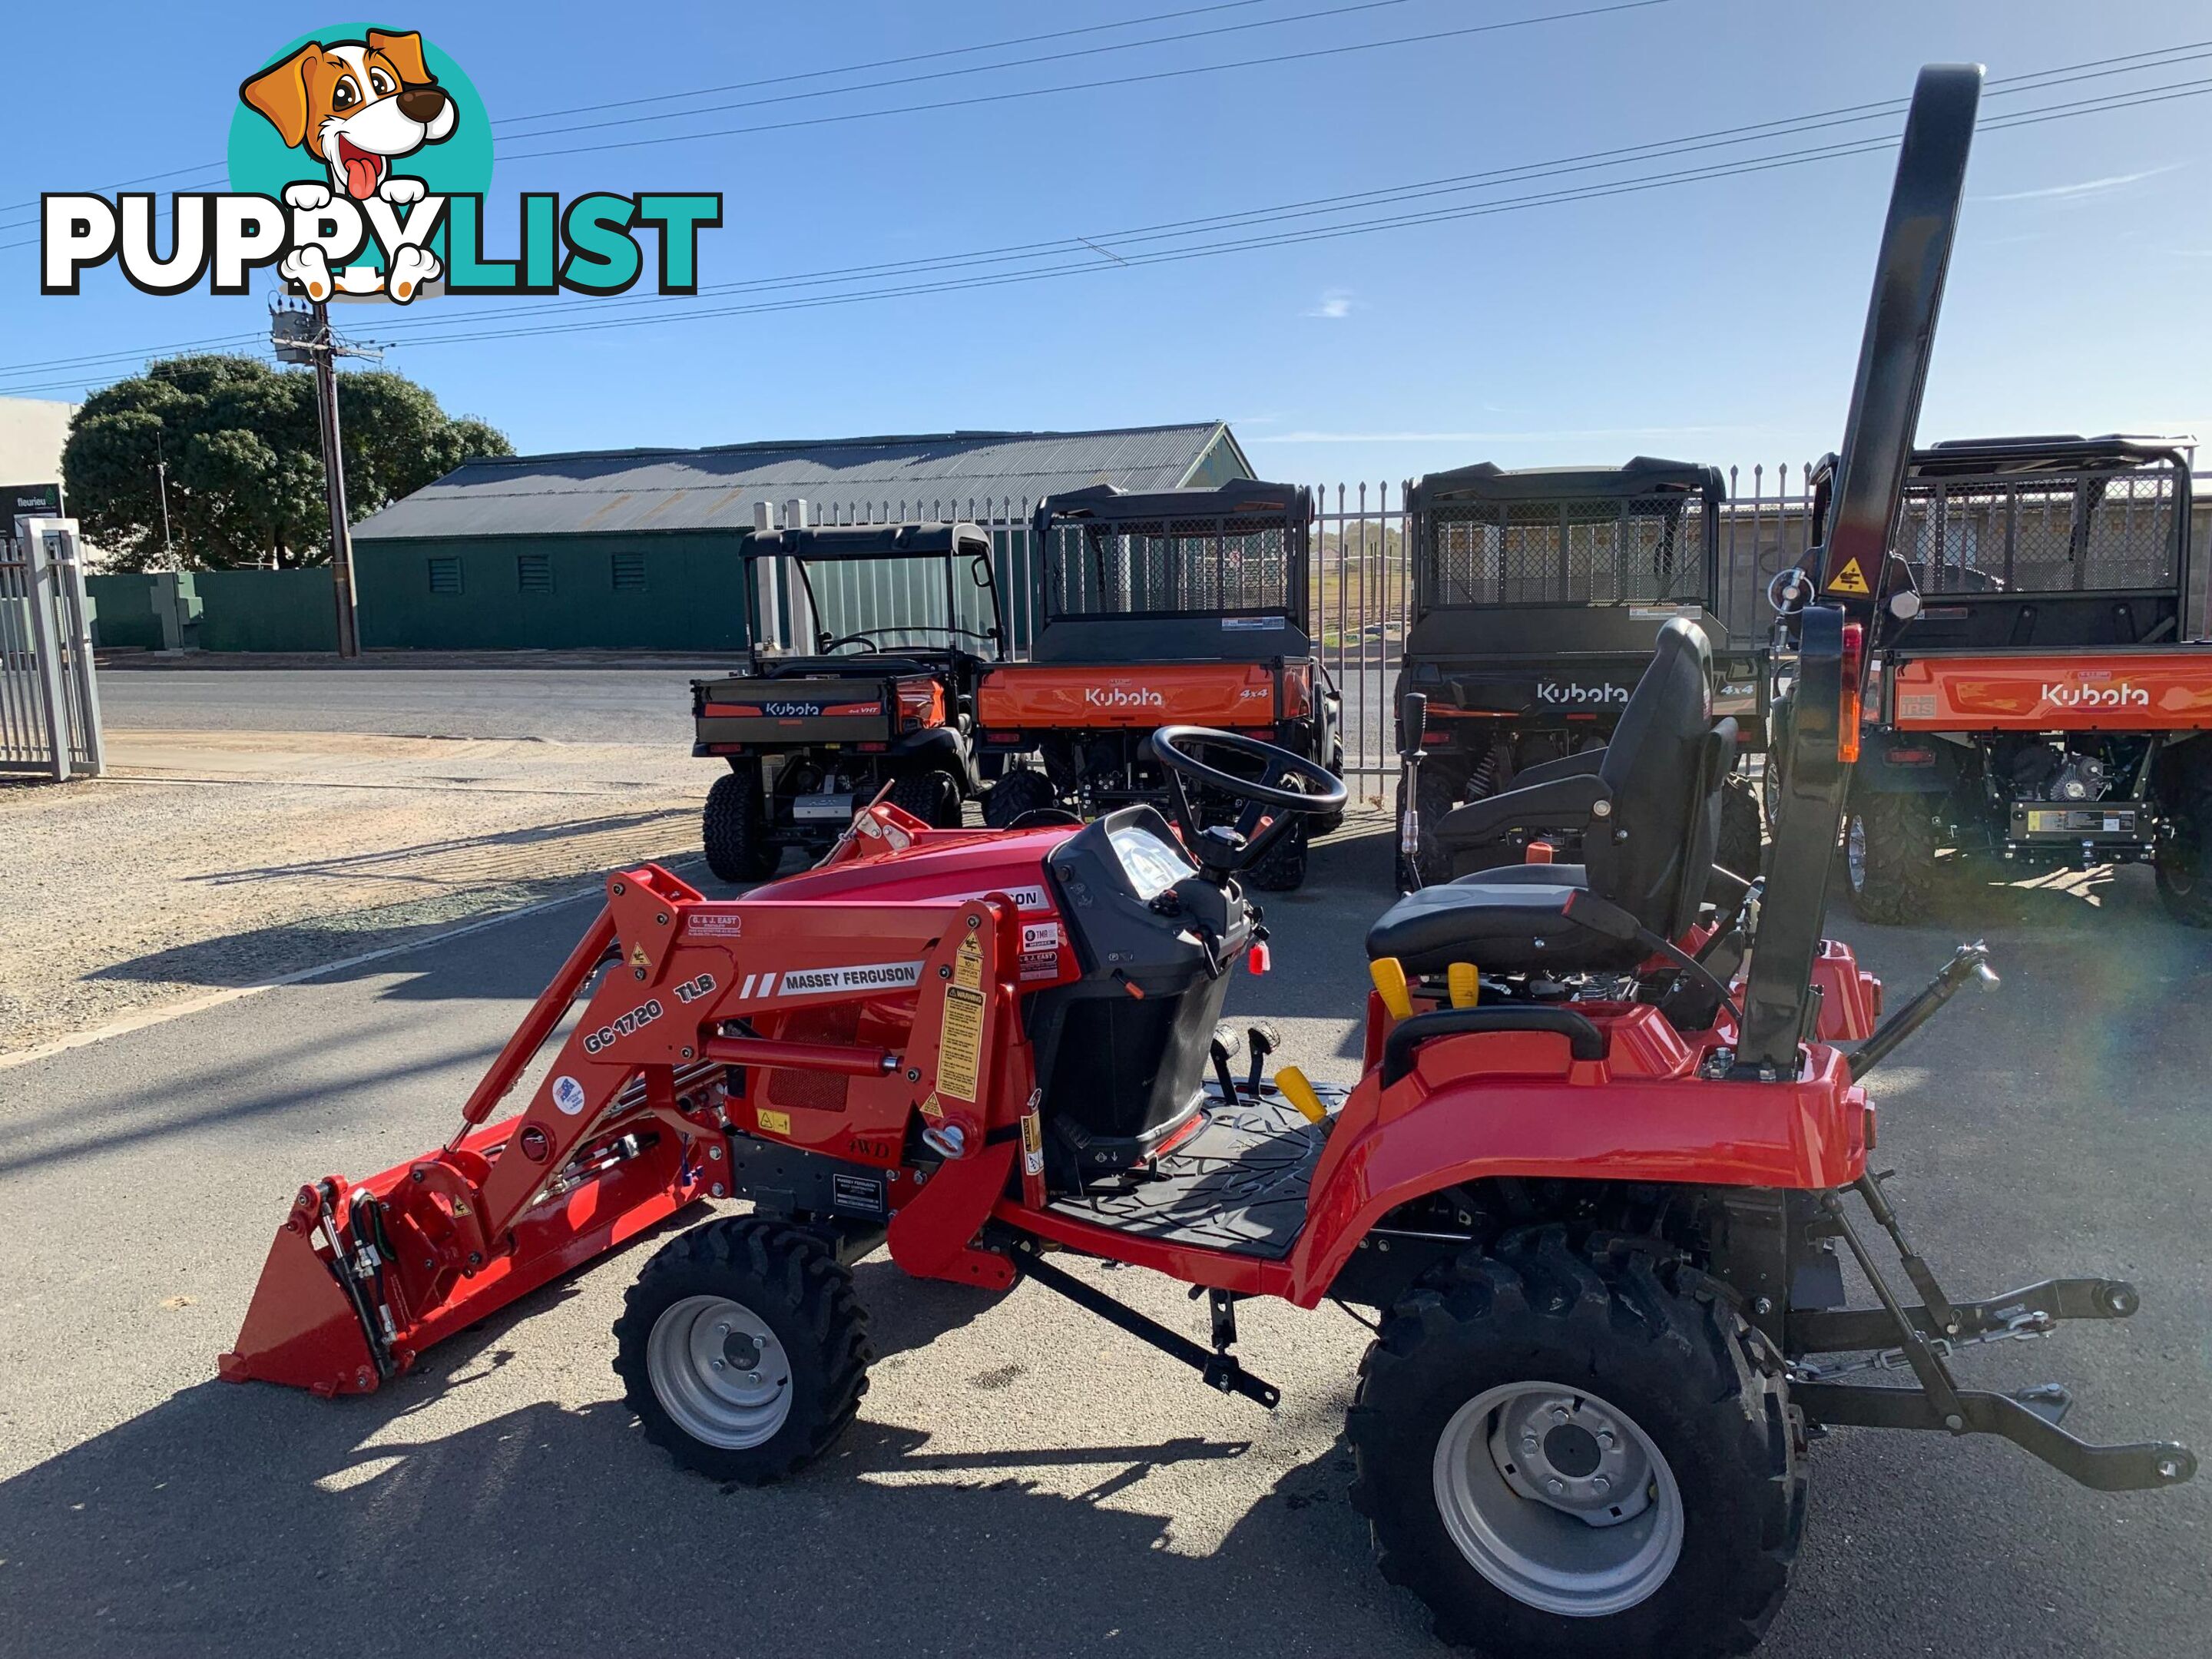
2123,695
1117,697
1575,691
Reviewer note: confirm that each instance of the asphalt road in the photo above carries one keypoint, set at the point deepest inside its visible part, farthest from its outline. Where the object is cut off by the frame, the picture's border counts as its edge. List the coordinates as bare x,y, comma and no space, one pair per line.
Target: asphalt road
1022,1479
570,705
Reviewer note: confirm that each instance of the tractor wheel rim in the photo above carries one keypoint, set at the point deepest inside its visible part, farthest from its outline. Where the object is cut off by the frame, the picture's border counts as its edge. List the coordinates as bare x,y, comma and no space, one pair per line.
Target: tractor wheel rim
1559,1499
1854,852
719,1372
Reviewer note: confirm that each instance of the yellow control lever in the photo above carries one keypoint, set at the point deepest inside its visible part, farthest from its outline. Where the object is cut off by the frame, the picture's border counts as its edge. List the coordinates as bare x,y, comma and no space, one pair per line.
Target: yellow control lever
1291,1084
1466,984
1390,985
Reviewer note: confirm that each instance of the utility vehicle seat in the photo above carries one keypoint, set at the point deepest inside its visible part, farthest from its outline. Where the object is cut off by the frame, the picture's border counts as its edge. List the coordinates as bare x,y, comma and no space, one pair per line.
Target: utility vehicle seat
1650,817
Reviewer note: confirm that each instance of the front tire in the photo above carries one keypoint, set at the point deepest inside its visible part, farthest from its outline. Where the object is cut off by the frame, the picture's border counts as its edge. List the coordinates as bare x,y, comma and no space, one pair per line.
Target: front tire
1017,794
2183,858
1282,867
1569,1454
1889,857
743,1349
734,830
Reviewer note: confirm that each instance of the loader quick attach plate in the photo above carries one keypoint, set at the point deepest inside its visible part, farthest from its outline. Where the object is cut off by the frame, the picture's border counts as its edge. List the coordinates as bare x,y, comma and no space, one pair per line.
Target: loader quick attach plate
1239,1184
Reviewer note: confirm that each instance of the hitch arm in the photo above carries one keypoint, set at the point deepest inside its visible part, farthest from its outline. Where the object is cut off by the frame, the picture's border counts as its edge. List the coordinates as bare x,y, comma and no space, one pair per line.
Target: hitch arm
2031,1311
2136,1468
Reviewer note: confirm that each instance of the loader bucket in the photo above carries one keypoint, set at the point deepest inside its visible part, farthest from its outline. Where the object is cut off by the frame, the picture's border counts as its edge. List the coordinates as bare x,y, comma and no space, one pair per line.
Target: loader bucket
363,1276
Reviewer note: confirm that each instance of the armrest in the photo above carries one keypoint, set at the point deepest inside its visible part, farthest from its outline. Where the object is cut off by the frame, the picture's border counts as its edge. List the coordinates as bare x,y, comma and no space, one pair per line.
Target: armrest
1584,1040
1567,766
1567,803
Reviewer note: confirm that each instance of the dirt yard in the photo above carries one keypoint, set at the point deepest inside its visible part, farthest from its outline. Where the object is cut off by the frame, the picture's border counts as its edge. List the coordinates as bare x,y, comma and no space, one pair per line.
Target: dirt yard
213,860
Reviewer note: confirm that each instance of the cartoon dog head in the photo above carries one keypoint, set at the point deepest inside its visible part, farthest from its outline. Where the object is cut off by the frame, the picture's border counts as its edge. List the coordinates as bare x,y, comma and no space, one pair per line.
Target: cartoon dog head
355,106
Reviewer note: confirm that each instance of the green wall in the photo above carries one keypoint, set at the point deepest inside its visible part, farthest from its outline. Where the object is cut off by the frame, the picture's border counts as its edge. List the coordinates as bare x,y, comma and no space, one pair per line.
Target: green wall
124,612
671,590
267,610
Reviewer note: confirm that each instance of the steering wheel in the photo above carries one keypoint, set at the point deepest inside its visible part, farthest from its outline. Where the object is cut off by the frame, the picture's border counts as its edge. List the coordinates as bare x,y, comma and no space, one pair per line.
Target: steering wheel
1269,799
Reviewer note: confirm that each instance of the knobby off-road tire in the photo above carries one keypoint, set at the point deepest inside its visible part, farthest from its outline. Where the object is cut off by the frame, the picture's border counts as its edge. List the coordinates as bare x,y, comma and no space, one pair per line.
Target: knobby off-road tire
933,797
1436,794
1630,1342
1018,792
771,1302
1889,857
734,829
2183,862
1282,867
1742,847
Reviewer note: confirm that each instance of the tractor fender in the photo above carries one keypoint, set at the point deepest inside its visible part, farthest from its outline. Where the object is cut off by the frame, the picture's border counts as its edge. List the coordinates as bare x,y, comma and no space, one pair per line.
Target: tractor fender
936,747
1394,1146
1892,764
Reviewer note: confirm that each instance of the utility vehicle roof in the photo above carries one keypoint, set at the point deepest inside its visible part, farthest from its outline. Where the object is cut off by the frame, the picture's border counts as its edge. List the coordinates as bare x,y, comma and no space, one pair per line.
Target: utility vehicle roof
1246,499
877,541
1643,475
2043,453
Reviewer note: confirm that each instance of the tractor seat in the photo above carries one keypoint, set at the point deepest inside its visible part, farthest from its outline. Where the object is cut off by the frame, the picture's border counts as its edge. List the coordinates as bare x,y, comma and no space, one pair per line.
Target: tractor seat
1649,821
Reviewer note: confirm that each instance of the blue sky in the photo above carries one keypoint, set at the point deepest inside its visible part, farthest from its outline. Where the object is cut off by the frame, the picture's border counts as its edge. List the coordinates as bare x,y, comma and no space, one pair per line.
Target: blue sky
1714,320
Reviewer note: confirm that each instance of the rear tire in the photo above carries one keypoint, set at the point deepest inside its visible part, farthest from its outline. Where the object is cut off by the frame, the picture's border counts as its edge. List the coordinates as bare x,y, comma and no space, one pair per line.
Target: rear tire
1282,867
1436,794
734,830
1742,847
2183,859
933,797
1889,857
770,1303
1016,794
1535,1369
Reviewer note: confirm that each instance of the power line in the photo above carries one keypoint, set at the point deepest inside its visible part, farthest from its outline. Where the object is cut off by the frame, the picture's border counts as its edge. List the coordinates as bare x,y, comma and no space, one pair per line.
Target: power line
210,168
980,99
457,329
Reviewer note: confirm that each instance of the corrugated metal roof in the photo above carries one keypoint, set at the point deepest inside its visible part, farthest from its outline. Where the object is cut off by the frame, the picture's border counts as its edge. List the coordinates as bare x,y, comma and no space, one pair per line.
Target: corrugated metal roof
937,476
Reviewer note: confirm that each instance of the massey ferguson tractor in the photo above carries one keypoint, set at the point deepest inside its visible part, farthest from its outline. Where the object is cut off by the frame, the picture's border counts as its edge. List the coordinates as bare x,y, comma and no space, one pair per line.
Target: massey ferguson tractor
1603,1181
1537,595
2039,703
1180,607
879,695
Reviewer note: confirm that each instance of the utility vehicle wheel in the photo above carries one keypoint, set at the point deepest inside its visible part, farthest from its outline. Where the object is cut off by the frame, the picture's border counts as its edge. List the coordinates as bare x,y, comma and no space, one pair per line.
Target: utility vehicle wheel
1333,822
933,797
1576,1453
743,1349
1889,857
2183,860
735,830
1742,847
1282,869
1016,794
1436,794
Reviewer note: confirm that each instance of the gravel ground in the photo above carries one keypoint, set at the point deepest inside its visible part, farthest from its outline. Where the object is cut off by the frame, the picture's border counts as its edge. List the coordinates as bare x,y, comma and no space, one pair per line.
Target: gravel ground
208,860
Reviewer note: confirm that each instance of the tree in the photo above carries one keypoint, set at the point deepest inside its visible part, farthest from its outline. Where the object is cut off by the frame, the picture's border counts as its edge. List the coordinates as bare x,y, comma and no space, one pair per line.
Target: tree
245,460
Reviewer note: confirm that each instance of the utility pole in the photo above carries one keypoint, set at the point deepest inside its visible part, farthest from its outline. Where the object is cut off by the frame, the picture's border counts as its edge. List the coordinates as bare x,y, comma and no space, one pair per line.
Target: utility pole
161,474
304,336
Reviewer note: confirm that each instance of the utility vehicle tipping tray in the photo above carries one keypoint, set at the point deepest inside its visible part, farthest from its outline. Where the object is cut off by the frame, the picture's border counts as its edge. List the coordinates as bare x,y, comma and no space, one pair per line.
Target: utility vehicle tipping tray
748,709
1057,695
2161,689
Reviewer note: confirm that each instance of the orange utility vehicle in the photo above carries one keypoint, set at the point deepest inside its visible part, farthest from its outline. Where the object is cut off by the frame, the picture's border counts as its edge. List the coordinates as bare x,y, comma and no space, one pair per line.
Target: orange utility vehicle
1180,607
2041,704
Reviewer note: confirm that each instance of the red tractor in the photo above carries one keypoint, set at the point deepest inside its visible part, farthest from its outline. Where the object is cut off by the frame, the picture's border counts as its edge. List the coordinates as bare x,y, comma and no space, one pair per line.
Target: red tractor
1599,1180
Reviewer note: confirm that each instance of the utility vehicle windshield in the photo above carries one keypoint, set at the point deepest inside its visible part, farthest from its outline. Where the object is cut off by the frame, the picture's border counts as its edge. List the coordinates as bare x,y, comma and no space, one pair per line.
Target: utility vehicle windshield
869,605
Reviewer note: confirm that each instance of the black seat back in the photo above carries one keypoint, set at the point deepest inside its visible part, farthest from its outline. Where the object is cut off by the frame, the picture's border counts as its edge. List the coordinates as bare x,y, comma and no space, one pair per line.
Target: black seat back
1654,855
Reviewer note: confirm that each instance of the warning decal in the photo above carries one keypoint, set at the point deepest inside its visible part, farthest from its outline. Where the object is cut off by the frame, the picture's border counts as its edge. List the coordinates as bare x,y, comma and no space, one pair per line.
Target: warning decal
1850,580
960,1048
967,963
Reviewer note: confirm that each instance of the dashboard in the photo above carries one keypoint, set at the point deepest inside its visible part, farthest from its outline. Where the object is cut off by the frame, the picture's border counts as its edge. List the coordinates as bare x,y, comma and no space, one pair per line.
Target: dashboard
1151,864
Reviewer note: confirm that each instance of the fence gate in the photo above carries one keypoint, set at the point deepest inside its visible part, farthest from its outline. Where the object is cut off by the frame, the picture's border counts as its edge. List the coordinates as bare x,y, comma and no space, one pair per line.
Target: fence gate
49,705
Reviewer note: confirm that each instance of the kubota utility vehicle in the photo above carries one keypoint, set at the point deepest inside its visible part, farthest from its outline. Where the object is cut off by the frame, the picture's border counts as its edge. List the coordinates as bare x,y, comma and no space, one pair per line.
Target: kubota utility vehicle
1537,595
1598,1177
895,624
2039,703
1179,607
